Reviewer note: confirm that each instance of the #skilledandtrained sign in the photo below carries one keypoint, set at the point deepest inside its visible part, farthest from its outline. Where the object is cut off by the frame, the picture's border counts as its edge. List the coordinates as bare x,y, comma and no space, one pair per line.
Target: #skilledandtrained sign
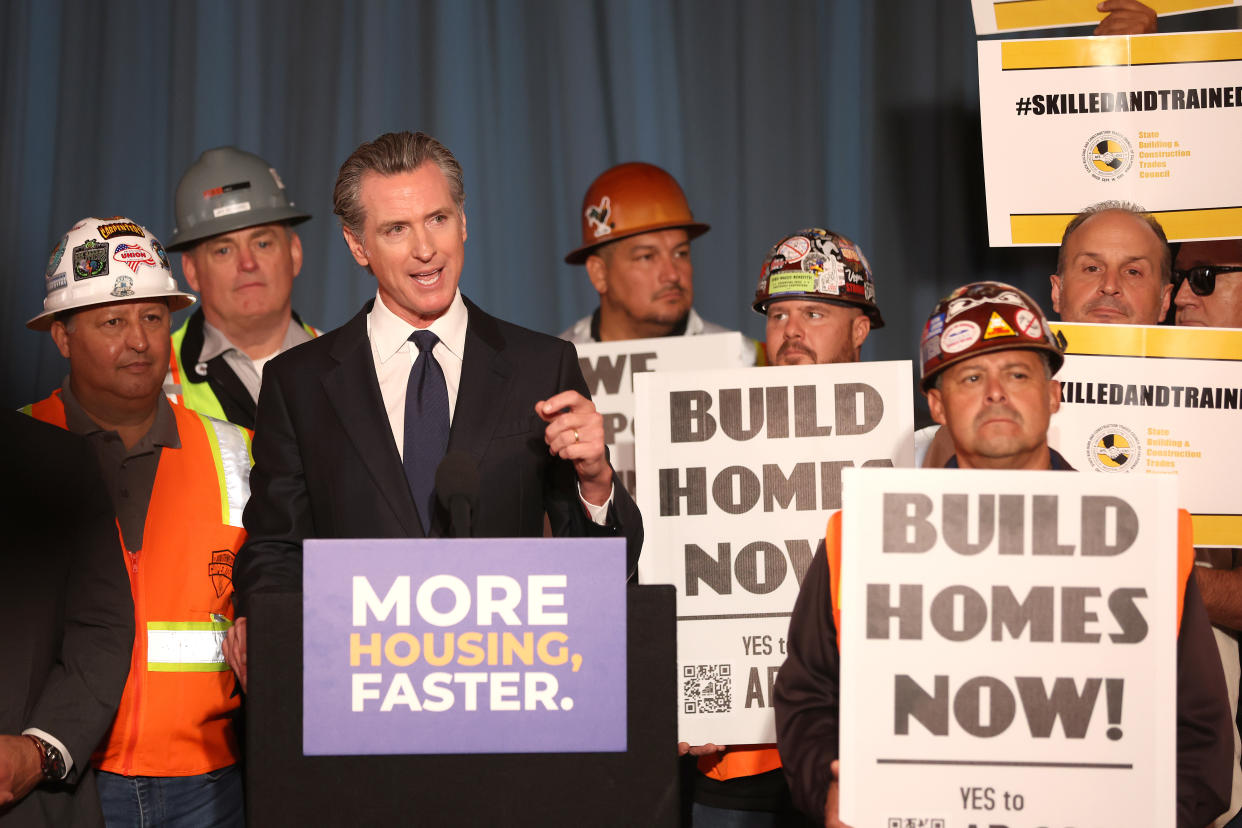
609,368
1154,399
737,474
1071,122
1008,649
464,646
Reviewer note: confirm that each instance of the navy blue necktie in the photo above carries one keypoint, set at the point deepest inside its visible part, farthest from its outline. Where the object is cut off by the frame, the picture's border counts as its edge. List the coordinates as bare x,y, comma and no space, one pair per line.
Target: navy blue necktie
426,425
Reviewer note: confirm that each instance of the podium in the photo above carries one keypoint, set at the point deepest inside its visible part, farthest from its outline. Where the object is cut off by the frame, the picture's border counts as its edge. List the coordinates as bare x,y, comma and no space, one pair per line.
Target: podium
638,787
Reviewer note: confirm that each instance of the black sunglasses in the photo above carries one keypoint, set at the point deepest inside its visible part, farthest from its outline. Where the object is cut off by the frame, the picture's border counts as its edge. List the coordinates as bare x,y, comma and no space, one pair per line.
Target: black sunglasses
1202,279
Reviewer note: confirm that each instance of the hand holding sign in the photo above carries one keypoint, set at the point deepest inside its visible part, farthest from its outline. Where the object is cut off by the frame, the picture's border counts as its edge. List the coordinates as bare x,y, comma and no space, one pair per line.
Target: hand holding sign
1126,17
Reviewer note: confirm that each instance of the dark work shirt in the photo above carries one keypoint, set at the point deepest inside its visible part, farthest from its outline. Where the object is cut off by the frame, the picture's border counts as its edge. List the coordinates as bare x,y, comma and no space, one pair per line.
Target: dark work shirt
128,474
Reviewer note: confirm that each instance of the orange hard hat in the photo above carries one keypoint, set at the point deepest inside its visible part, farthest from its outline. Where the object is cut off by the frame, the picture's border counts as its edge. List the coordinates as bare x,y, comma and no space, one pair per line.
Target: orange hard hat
629,199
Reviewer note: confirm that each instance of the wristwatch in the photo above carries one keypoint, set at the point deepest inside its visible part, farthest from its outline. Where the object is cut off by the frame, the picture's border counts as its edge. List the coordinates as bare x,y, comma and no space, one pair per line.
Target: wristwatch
51,763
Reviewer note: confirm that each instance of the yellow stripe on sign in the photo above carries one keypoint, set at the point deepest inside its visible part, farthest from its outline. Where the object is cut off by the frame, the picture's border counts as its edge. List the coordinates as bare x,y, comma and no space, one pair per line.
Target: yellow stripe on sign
1076,52
1208,223
1217,530
1151,341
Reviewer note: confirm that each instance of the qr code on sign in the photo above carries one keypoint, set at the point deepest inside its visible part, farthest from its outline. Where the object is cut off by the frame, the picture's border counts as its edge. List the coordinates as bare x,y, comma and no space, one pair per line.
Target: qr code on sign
915,822
707,688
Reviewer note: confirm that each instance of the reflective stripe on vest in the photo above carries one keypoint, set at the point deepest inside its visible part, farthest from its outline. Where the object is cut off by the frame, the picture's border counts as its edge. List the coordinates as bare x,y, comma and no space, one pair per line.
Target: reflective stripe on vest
186,646
230,448
197,396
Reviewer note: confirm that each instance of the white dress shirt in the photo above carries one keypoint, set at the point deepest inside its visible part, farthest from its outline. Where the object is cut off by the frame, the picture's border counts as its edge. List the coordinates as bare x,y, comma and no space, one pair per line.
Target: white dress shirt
394,355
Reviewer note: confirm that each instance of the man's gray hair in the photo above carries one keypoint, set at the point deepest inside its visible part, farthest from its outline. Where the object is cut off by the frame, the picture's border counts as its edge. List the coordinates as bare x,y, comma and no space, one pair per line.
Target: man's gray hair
1130,208
390,154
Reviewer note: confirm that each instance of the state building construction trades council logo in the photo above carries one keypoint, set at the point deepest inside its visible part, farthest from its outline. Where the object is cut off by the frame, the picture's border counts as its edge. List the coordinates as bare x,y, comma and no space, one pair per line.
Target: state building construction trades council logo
1114,448
1107,155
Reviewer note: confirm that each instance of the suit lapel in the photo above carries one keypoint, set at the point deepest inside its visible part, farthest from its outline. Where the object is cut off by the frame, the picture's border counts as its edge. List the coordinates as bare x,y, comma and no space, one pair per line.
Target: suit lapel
353,390
484,387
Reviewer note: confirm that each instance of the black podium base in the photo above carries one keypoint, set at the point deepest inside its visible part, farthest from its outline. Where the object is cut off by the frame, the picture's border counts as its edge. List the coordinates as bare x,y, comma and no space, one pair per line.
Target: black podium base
638,787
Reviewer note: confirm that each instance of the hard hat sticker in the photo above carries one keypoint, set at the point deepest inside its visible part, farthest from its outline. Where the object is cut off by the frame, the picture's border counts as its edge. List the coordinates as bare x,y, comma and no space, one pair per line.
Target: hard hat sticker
959,336
791,281
160,254
230,209
90,259
57,282
1028,324
53,261
230,188
123,286
997,327
120,228
134,256
600,217
794,248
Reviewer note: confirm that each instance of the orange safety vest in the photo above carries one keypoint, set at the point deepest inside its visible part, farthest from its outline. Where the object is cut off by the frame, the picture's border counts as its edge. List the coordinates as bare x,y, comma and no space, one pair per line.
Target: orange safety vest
1185,563
175,717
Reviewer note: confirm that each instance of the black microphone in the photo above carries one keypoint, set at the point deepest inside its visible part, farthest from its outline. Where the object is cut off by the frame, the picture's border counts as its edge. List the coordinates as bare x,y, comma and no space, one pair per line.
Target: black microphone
457,489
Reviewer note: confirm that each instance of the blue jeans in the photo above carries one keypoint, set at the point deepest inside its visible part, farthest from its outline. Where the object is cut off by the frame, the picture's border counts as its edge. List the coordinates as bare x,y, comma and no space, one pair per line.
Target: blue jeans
706,816
208,800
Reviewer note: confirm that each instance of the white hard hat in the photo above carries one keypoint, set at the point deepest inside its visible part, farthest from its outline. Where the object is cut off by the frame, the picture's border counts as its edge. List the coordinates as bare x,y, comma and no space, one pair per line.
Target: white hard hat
105,260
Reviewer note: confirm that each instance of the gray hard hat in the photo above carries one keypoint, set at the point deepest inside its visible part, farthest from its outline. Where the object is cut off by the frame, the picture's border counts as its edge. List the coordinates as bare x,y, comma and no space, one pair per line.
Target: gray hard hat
229,189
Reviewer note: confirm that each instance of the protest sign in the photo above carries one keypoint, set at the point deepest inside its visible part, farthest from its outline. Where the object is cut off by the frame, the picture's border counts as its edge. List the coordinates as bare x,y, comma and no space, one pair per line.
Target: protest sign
1139,399
609,368
992,16
1075,121
737,474
1008,649
464,646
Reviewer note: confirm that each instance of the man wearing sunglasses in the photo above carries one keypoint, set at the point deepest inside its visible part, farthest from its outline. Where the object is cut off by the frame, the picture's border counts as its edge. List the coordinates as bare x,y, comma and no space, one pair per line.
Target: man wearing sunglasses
1207,292
1207,284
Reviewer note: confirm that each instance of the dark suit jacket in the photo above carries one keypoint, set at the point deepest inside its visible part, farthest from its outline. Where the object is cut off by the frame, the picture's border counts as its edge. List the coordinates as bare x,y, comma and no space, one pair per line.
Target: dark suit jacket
326,464
65,609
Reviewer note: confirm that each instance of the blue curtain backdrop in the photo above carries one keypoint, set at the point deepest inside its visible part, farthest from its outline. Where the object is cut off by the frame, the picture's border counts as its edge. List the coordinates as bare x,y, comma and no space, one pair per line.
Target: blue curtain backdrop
774,115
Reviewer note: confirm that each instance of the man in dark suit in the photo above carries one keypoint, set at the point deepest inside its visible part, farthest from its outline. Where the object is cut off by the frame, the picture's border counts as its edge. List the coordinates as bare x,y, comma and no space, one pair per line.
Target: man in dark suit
68,623
343,451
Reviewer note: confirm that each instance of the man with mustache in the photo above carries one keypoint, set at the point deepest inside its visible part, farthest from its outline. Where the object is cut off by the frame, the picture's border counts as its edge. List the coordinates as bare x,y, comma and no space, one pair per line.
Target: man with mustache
240,252
816,291
988,360
178,481
636,234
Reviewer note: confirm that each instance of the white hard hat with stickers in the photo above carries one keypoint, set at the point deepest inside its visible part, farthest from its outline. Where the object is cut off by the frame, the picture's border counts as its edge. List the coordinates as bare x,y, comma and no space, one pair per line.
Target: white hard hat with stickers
105,260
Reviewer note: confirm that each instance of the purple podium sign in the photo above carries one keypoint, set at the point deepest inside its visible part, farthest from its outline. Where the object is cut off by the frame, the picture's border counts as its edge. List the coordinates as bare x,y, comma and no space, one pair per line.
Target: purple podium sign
464,646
